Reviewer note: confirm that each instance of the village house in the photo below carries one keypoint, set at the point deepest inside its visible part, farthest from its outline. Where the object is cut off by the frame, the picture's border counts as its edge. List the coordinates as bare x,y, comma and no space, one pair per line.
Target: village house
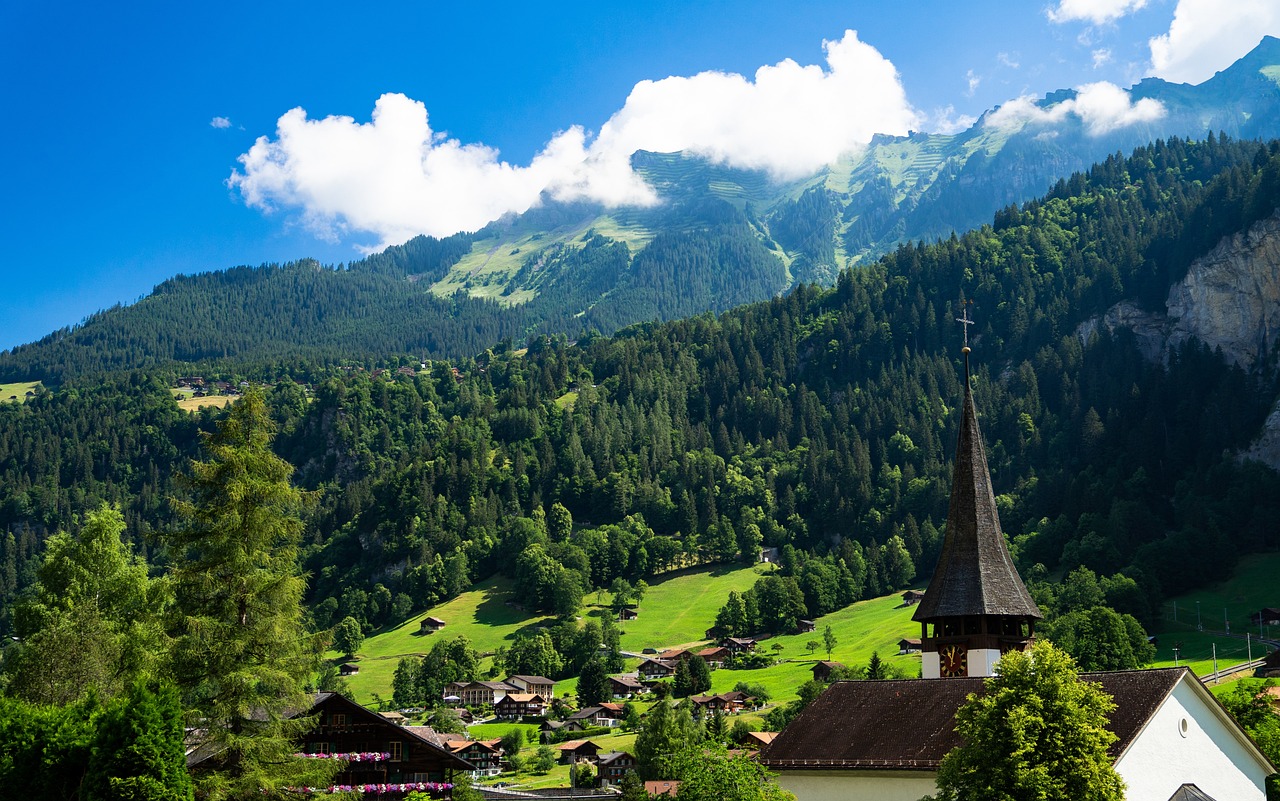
625,686
1172,736
822,670
478,693
656,788
912,597
611,767
486,757
628,613
654,669
348,669
738,645
755,740
413,757
673,655
534,684
806,626
513,706
714,657
1267,616
578,751
606,715
908,645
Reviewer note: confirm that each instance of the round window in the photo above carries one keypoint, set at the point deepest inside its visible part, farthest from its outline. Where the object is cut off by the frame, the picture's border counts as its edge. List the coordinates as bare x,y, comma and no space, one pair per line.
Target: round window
1183,727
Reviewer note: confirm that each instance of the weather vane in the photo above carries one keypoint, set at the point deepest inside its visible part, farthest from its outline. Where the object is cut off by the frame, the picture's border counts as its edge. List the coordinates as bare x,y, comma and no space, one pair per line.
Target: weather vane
964,321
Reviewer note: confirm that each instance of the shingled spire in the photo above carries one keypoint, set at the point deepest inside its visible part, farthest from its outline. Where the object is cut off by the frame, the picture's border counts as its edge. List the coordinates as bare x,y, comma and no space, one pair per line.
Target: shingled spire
976,601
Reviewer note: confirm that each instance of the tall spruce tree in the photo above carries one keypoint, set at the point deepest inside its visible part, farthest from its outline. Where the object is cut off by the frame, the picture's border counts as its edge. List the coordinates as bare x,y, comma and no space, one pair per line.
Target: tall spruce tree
241,652
138,750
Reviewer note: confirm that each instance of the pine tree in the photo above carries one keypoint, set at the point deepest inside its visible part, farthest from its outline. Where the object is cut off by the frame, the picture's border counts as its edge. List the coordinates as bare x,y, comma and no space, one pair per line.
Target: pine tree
699,675
682,683
138,751
241,653
593,684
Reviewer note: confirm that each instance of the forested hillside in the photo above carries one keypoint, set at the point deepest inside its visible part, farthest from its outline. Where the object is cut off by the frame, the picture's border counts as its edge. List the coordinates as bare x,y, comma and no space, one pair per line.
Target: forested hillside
821,422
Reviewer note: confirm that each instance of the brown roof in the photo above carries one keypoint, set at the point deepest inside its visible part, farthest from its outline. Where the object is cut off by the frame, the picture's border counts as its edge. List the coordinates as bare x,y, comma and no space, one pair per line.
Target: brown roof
661,788
855,724
975,574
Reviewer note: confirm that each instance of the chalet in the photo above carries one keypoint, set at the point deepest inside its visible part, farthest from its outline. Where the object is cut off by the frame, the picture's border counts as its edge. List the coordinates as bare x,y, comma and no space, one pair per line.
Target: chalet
478,693
394,717
625,686
534,684
714,657
755,740
738,645
415,760
728,703
1173,739
611,767
628,613
1267,616
912,597
608,715
822,670
655,669
348,669
673,655
486,757
430,624
908,645
805,626
513,706
657,788
578,751
769,555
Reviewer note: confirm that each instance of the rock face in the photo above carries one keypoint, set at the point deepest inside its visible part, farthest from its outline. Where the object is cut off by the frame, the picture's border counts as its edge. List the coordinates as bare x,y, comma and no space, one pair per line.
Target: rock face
1229,300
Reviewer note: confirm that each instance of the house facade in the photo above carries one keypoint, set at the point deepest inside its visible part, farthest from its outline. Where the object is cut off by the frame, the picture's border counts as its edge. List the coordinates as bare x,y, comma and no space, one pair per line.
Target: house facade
520,705
611,767
412,756
538,685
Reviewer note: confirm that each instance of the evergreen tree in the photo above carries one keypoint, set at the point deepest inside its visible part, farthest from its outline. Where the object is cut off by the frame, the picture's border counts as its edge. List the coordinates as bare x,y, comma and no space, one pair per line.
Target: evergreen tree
699,675
1036,732
138,750
241,654
682,682
593,684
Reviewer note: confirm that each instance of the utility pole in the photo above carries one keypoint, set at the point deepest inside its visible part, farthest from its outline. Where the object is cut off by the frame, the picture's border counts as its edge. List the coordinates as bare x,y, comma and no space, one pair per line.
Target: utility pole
1226,621
1199,625
1248,643
1216,677
1176,646
1175,611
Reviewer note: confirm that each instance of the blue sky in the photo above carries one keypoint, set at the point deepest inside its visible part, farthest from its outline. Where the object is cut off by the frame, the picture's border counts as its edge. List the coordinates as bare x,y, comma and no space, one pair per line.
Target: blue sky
124,122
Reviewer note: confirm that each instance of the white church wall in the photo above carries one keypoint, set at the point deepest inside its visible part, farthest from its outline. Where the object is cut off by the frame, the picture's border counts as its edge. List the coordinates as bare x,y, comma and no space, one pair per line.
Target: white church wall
861,785
982,662
1205,753
930,665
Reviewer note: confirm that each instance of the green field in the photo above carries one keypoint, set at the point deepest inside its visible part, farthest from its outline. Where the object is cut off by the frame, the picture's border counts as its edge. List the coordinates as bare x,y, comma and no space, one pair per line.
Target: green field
17,392
1253,586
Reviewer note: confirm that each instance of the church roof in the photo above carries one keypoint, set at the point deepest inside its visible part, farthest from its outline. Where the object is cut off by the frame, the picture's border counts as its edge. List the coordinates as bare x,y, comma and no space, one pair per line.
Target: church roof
863,724
975,574
1189,792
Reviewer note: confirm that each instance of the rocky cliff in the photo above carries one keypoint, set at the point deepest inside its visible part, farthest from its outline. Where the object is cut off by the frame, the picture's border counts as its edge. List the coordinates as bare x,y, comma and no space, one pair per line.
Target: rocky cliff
1229,300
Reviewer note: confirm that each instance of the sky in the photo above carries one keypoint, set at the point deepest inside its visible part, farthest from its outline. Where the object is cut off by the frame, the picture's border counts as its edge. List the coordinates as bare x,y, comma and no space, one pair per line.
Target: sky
147,139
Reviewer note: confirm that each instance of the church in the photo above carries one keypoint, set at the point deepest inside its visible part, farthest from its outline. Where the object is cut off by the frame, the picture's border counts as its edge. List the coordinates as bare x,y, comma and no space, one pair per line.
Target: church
885,740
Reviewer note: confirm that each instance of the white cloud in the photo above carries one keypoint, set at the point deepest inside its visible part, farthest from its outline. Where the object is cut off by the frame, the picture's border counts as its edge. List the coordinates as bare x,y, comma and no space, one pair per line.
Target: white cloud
220,122
947,121
1010,60
1097,12
1101,57
1102,107
973,81
1207,35
395,177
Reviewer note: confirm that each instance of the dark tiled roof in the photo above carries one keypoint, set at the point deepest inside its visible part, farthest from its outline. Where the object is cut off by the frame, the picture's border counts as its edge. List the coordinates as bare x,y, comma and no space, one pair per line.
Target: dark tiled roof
975,575
909,724
1189,792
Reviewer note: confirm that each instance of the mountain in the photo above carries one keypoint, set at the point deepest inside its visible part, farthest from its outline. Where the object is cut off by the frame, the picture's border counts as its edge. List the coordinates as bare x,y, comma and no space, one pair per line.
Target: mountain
719,238
820,422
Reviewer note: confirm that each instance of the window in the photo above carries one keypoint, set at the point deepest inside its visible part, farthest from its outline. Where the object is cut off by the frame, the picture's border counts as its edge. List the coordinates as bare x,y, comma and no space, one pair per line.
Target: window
394,748
338,720
320,748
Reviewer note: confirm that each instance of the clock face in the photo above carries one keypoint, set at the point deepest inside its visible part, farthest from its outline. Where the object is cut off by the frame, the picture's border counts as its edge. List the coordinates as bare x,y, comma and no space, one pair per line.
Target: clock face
954,661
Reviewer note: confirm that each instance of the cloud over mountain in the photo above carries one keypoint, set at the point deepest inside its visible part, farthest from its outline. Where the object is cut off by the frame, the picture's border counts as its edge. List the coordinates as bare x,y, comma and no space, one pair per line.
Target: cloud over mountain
1207,35
1102,107
395,176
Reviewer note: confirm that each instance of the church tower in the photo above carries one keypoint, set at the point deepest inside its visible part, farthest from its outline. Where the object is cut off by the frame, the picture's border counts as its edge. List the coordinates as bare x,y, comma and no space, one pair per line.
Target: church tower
976,607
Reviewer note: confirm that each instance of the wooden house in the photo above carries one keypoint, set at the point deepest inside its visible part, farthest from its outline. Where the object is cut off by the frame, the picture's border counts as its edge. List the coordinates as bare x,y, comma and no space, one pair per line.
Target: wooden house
655,669
348,669
486,757
822,670
738,645
909,645
479,693
654,789
430,624
611,767
628,613
912,597
714,657
577,751
625,686
539,685
513,706
1267,616
806,626
607,715
408,756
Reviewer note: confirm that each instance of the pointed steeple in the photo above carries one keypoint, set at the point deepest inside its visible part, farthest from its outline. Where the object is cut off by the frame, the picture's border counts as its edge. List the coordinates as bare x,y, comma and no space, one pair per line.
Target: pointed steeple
975,574
976,603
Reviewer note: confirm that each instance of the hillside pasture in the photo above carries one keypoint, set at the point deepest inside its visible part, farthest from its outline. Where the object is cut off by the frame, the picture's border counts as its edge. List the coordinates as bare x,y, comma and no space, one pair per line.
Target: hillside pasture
17,392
